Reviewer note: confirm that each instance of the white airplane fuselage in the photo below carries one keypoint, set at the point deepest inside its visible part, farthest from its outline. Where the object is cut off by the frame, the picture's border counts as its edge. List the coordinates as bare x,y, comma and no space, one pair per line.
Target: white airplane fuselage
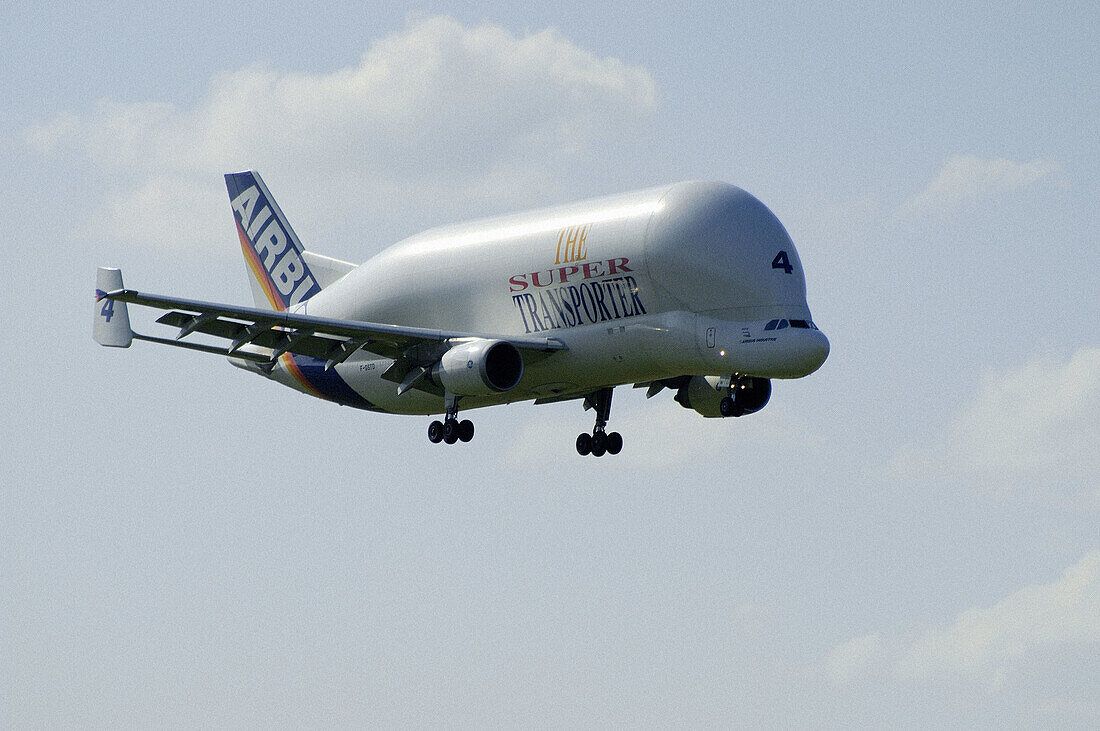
693,278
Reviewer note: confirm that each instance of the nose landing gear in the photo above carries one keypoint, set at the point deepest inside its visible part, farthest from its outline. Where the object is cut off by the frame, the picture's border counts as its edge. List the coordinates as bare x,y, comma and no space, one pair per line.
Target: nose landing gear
599,442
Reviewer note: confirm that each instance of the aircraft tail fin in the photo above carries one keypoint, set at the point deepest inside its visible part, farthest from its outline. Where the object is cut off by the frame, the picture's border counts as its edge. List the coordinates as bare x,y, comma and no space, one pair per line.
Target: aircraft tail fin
111,326
278,268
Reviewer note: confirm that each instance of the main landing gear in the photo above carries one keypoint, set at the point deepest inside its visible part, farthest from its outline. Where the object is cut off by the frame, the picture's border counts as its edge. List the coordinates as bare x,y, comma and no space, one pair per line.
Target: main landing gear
451,430
599,442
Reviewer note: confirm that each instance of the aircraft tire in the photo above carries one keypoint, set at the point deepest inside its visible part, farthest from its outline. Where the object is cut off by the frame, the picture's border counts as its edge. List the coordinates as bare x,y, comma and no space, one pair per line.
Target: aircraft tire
435,432
584,444
450,431
465,430
599,444
614,442
727,407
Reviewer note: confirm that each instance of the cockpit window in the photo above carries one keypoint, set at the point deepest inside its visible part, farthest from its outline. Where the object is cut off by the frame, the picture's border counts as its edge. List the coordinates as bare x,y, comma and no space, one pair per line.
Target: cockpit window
781,324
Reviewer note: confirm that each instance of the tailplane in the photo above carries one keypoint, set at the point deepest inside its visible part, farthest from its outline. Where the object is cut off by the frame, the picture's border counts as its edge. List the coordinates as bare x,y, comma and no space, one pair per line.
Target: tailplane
279,267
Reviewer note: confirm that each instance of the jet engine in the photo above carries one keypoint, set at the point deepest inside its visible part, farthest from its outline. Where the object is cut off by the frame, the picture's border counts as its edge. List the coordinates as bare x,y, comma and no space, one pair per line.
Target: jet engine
744,396
479,367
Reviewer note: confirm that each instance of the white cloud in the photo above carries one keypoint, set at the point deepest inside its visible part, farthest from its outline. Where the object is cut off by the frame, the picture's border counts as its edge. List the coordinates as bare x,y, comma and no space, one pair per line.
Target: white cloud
163,209
984,645
854,658
1043,416
966,179
1035,428
46,137
432,116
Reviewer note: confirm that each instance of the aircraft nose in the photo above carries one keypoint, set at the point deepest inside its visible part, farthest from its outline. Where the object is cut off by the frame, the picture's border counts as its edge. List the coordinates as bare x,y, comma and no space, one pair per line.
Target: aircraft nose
815,349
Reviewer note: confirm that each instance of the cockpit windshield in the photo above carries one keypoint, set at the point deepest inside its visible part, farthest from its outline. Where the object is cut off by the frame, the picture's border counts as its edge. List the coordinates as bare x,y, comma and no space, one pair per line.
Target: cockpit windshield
782,324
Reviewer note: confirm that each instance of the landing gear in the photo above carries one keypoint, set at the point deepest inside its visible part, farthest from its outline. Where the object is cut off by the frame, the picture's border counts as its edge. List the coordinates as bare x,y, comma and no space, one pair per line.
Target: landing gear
599,442
729,407
451,430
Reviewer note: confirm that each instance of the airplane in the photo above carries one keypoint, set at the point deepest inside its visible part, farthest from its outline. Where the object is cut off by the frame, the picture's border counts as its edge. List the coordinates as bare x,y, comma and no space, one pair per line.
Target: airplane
693,287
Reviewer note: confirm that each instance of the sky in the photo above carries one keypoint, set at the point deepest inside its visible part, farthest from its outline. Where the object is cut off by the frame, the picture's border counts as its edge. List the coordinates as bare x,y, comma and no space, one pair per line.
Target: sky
907,537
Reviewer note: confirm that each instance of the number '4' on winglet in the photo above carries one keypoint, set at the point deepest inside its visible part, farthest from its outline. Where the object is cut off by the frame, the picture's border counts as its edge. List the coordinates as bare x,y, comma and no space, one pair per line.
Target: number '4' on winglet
112,322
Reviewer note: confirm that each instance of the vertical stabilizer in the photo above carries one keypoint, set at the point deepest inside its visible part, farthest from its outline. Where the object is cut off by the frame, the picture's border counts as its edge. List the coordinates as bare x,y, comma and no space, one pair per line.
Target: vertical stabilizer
278,271
111,326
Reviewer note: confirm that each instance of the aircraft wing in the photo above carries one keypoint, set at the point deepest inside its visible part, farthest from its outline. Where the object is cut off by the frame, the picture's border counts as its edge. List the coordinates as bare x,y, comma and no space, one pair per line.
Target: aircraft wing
327,339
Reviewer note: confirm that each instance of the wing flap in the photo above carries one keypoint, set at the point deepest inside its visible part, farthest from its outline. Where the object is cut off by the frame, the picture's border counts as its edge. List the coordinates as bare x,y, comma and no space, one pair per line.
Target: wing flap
306,343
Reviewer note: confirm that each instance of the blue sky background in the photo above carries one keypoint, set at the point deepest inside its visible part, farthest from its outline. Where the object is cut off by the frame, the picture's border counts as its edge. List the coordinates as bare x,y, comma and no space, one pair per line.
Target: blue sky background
907,537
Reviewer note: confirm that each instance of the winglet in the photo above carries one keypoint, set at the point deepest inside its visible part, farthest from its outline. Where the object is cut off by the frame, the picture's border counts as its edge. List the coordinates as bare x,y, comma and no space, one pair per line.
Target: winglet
111,326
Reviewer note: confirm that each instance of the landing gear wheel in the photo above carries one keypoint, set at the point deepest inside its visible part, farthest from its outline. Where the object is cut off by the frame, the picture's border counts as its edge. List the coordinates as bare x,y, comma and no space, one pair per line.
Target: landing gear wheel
584,444
599,444
726,407
435,432
465,430
450,431
614,443
729,407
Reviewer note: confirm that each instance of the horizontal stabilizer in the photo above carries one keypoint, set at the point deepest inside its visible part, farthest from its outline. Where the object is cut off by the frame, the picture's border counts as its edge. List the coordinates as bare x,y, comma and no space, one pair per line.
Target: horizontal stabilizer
111,326
326,269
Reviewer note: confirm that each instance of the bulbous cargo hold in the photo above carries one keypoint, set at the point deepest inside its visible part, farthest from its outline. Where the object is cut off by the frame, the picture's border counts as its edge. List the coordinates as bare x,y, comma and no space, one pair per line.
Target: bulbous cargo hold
713,247
694,247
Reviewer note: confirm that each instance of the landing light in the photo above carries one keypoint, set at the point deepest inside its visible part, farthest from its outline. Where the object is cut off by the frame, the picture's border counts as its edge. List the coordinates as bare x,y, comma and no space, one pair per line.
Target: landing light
722,353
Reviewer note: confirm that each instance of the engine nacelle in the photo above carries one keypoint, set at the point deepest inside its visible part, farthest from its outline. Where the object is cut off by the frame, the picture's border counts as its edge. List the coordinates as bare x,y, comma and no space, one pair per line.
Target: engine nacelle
745,396
479,367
